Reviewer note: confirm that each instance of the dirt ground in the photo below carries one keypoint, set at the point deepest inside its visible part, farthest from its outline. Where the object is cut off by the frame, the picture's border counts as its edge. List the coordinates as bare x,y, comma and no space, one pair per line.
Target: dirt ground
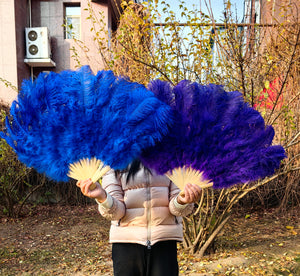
66,240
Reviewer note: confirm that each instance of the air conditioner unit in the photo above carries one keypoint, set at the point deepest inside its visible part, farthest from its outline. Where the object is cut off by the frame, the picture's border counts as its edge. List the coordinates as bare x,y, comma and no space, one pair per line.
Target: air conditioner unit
37,43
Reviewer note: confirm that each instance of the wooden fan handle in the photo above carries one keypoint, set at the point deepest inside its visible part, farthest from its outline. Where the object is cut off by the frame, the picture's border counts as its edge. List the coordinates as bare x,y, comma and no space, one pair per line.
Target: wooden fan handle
93,187
203,186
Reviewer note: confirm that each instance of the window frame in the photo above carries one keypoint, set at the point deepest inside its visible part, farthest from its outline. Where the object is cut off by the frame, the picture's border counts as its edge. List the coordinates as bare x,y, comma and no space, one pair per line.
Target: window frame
67,33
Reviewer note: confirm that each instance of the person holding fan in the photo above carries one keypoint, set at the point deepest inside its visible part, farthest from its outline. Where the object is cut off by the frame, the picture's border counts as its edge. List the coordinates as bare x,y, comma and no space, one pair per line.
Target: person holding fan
145,209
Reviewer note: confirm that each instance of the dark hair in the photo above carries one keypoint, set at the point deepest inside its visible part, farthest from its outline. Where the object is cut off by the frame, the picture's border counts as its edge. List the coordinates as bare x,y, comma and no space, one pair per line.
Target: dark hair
132,169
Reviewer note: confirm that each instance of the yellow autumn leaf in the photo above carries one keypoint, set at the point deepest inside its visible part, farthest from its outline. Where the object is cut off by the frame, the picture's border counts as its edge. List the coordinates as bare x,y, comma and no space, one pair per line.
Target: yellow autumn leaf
289,227
267,84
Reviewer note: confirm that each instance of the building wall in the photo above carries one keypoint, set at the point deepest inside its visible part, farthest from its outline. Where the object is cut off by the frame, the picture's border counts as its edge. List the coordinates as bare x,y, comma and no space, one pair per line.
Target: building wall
274,11
21,21
8,56
15,15
51,14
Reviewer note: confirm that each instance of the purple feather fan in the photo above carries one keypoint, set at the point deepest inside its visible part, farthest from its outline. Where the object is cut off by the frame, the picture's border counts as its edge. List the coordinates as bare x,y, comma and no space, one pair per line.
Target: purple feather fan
65,117
215,134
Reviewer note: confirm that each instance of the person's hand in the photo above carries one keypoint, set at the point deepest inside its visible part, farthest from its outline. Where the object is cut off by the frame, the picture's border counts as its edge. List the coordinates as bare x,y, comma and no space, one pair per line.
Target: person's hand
97,193
191,193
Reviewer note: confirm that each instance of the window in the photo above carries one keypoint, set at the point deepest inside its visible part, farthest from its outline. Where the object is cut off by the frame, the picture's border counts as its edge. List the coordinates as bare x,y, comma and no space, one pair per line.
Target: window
72,21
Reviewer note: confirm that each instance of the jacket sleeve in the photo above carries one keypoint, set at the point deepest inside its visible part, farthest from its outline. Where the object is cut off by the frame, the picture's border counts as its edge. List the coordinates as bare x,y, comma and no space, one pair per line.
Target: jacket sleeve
177,209
113,208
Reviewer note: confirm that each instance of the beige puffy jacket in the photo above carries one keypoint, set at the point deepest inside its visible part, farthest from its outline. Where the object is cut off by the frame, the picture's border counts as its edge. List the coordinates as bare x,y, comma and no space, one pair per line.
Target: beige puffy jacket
144,210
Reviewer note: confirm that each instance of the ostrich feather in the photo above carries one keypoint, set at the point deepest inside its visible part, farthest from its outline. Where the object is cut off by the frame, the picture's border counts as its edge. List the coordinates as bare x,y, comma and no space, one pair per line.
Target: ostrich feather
215,133
62,118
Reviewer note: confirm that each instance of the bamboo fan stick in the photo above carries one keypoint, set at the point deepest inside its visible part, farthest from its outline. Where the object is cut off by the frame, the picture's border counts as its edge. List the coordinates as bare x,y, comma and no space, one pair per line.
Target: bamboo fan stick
88,168
184,175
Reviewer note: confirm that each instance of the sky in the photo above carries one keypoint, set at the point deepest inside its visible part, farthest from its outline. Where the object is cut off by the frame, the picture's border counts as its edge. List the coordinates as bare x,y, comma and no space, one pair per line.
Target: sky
217,7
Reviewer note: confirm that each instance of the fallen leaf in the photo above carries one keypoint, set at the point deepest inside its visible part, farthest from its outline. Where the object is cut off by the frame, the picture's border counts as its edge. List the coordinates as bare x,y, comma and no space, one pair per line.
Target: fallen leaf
289,227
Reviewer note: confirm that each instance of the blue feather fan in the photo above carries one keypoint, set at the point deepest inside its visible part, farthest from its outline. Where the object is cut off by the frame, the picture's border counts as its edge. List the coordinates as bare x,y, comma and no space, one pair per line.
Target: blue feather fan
216,133
61,118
